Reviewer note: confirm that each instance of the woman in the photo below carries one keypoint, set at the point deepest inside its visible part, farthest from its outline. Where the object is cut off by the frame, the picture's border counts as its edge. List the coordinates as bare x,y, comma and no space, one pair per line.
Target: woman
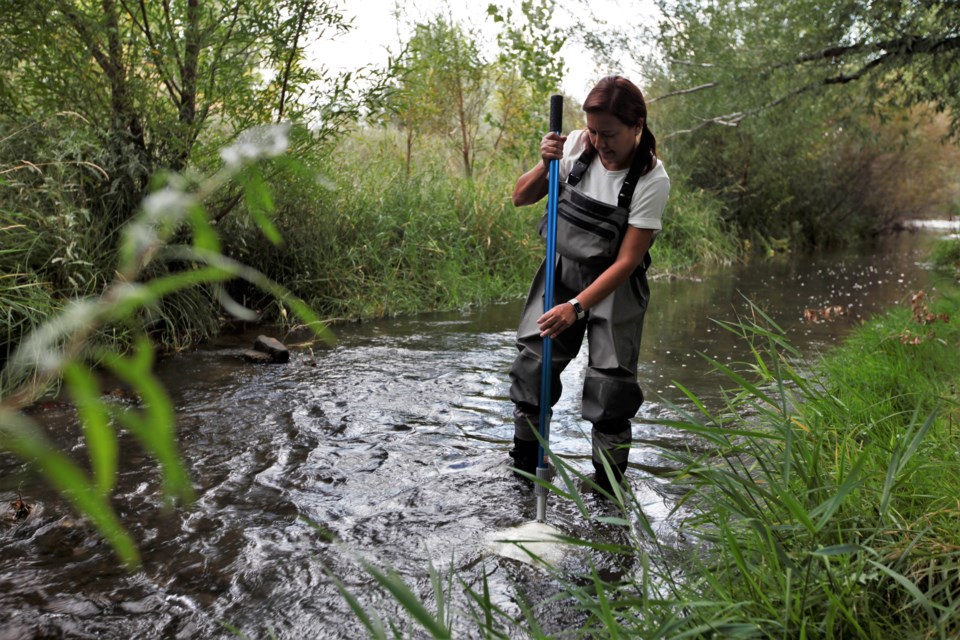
612,195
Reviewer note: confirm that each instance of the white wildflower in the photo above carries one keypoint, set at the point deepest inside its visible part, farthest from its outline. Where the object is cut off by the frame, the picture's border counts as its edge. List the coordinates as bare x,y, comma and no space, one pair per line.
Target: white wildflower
258,142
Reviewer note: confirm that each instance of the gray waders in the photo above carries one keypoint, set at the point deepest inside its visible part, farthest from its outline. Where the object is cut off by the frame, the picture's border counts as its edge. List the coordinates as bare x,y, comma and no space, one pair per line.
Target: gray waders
589,233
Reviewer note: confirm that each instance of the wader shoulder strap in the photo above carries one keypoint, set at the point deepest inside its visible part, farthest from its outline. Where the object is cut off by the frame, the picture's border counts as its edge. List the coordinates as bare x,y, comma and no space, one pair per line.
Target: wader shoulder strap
581,165
626,196
630,182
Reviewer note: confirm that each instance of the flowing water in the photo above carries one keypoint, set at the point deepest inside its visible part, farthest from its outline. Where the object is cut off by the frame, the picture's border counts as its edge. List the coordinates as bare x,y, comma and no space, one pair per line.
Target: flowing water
394,441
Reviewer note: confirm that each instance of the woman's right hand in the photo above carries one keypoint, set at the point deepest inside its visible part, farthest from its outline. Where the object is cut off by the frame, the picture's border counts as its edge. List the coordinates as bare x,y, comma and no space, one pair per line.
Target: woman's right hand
551,147
532,185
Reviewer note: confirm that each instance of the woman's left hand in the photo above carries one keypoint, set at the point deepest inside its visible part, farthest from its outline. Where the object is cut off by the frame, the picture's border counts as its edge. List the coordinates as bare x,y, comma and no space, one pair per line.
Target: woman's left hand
554,322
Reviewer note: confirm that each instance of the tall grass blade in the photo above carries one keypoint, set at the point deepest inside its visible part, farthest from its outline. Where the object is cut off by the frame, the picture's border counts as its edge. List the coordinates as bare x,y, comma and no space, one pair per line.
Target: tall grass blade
908,585
100,437
392,582
370,621
851,482
21,436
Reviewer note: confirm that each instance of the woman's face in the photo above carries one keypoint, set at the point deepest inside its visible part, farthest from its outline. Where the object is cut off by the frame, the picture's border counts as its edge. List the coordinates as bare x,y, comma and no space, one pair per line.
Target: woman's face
614,140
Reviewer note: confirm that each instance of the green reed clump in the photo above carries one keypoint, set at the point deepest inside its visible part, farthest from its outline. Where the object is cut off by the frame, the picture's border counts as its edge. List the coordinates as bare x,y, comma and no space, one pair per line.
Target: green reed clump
946,255
23,298
61,213
832,509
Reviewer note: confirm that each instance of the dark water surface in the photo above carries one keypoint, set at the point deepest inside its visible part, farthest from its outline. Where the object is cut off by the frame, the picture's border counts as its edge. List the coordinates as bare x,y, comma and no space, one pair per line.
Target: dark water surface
395,441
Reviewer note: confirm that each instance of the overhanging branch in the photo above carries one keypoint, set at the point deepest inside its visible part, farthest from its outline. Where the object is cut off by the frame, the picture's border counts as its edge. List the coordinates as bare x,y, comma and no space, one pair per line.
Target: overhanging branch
892,49
904,45
682,92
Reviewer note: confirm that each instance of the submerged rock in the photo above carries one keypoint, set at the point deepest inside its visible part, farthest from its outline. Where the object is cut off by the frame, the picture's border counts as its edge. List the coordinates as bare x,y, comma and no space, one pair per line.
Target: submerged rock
256,357
274,348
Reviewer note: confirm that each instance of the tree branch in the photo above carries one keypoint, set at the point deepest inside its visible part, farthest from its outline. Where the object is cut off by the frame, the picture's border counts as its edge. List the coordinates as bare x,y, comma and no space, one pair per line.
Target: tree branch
215,60
912,45
153,48
681,92
734,119
891,48
843,79
171,33
304,7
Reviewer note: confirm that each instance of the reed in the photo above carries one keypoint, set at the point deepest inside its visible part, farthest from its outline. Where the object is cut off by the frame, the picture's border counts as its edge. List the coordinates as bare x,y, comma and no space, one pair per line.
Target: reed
694,235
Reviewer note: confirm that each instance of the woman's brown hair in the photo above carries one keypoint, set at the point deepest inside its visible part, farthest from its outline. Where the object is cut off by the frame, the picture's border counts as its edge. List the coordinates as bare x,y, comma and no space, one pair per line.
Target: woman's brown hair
621,98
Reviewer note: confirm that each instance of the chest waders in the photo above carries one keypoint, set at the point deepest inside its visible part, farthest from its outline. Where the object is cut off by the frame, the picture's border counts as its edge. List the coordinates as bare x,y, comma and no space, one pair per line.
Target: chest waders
588,238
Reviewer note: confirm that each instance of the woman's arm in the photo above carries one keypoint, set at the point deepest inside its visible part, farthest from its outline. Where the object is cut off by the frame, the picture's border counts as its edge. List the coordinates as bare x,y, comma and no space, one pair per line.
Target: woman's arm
632,250
532,186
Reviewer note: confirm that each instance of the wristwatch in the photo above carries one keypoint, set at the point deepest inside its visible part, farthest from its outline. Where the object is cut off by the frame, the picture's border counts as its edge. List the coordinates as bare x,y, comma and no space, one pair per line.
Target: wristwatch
577,308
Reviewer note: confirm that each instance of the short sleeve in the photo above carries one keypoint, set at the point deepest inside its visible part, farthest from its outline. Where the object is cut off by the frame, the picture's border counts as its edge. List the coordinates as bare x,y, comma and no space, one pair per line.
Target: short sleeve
572,149
650,199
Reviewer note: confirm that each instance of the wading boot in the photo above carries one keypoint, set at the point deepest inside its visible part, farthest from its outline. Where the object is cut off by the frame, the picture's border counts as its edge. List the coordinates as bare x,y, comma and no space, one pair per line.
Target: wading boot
524,456
603,480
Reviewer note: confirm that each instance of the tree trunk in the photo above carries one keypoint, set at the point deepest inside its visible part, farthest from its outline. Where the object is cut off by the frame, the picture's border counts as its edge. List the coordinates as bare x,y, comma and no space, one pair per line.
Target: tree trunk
304,6
464,138
187,113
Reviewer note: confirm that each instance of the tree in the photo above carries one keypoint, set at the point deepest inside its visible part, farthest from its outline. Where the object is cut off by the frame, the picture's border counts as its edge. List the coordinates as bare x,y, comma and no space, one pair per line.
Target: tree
902,53
439,88
529,69
158,81
761,100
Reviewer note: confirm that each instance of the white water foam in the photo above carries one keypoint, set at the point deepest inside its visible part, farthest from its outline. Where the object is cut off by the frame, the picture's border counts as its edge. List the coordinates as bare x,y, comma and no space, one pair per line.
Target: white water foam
533,543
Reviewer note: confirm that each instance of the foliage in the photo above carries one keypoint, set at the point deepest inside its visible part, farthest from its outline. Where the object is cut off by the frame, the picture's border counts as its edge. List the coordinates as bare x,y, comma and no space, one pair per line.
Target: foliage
440,87
370,241
156,86
903,54
95,98
946,255
443,92
822,518
57,248
529,70
781,108
693,234
62,348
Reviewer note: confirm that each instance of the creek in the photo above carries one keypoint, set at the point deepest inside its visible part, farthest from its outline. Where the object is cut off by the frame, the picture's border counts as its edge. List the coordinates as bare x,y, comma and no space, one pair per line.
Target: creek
394,440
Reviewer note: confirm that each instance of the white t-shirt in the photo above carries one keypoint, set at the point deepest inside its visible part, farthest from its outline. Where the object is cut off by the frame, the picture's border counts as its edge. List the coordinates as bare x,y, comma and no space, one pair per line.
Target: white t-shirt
649,198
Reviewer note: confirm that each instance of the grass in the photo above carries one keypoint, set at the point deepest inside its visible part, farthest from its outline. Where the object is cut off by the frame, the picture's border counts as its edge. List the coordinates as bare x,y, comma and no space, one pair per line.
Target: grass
832,513
827,507
693,235
369,240
946,255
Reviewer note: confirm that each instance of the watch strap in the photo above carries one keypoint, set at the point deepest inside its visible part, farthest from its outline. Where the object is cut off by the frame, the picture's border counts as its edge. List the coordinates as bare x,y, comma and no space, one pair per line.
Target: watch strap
576,307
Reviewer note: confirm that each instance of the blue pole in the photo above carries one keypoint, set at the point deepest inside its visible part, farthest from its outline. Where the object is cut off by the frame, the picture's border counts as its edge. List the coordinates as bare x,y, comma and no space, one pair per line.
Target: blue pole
546,359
